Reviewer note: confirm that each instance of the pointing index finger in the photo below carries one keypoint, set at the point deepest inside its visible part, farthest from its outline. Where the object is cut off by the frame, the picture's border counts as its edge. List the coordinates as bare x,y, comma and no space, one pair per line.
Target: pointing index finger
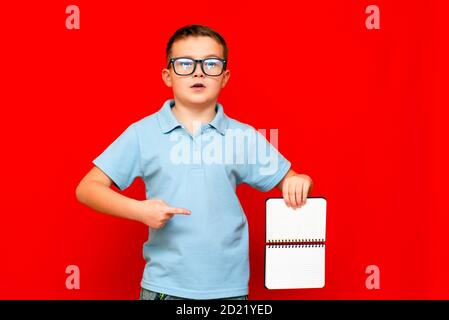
178,210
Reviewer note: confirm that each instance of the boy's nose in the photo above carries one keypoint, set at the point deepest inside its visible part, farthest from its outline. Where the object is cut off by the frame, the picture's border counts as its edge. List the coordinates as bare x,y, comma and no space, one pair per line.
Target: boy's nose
198,71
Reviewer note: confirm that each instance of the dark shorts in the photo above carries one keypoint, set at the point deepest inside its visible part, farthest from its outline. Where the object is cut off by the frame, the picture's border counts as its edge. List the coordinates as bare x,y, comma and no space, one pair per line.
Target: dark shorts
146,294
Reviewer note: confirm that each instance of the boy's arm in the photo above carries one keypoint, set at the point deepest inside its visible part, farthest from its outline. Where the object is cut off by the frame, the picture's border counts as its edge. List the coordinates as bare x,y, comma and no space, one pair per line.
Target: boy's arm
95,192
295,188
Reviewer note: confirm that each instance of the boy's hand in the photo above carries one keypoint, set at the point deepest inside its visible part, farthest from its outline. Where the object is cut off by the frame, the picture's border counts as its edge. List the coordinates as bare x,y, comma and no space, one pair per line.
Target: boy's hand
295,189
155,212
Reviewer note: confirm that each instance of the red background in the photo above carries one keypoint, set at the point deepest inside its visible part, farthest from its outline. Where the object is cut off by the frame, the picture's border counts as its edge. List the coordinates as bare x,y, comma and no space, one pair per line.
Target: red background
363,112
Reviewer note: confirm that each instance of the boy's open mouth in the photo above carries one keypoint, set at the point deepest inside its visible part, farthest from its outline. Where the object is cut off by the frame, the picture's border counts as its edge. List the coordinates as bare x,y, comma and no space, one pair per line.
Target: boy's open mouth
198,85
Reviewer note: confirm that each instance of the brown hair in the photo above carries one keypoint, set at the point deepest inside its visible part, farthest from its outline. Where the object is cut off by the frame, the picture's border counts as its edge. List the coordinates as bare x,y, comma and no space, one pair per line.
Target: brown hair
195,30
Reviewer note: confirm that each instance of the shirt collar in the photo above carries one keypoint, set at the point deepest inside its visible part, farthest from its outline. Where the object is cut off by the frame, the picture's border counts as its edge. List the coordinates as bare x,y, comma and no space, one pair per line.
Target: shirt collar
168,121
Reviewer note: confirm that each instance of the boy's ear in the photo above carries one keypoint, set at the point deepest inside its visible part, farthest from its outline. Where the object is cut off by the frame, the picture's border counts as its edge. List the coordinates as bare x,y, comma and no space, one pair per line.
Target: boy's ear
226,76
166,77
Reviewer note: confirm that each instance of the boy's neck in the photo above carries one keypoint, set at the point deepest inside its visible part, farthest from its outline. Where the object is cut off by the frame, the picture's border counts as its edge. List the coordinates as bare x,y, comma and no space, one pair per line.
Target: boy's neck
189,115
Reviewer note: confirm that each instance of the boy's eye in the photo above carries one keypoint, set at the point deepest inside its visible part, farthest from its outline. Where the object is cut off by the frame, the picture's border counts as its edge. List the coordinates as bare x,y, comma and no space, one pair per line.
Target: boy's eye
185,63
211,64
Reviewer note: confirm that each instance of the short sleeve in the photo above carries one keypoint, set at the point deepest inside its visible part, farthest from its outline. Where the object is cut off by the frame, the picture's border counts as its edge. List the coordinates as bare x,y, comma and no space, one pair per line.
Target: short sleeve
121,159
265,166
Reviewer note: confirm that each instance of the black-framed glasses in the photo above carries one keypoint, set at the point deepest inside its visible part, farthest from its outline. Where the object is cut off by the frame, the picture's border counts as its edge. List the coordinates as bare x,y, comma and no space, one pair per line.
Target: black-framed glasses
184,66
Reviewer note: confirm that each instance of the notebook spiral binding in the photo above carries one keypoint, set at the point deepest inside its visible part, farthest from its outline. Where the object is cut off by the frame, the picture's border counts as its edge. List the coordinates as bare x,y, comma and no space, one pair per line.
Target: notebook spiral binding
310,245
299,243
295,240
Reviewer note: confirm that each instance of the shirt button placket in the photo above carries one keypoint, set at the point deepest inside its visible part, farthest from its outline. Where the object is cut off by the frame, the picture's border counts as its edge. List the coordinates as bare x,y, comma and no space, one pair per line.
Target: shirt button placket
197,149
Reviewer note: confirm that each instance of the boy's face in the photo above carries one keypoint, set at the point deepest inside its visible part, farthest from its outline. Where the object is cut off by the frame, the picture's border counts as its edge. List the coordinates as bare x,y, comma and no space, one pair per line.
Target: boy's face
196,48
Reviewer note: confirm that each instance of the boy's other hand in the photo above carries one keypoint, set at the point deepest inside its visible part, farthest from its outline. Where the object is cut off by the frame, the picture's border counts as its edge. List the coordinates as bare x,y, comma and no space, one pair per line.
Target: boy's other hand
155,212
295,189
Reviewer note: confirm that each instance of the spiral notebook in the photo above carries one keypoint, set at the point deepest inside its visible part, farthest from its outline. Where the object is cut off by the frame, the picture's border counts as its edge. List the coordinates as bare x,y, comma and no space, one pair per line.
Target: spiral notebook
295,244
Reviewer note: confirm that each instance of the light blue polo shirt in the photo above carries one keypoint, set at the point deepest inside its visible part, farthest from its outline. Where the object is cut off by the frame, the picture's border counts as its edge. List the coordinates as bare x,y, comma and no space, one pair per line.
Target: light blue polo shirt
203,255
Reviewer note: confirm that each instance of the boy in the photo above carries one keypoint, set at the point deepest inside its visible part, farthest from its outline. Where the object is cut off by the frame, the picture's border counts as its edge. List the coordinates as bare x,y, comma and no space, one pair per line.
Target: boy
198,235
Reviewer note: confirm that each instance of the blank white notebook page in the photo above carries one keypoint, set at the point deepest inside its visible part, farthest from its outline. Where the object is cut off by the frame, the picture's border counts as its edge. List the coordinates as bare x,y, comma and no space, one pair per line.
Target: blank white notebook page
294,268
307,222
